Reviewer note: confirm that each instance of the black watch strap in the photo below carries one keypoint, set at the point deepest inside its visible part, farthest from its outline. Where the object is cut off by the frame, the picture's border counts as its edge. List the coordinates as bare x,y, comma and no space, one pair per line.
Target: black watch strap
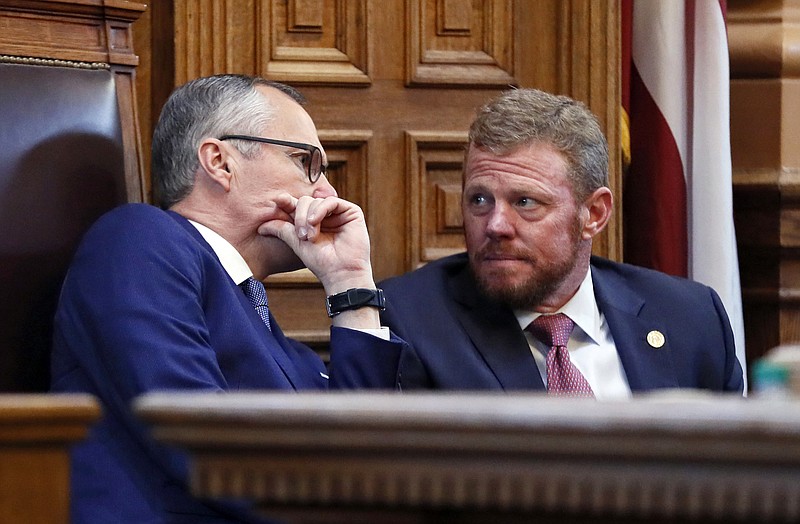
355,298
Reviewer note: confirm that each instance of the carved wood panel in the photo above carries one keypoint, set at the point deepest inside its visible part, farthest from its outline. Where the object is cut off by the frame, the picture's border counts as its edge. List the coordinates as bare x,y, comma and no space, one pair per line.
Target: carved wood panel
410,74
460,42
434,184
314,41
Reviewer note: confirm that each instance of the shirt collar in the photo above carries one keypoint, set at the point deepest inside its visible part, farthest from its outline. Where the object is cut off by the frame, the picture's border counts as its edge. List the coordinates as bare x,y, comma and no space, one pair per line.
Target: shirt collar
581,308
231,260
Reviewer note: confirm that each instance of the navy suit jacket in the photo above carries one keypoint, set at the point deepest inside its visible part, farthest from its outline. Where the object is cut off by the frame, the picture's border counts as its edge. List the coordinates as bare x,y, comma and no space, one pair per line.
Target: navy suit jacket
146,306
462,341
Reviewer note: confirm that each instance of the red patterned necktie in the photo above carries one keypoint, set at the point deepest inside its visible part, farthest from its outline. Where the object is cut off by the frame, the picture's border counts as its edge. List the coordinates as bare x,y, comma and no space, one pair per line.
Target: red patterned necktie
563,378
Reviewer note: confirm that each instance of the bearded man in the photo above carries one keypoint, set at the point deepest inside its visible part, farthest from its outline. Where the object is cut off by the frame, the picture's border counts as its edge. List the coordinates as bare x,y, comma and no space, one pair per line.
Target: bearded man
528,307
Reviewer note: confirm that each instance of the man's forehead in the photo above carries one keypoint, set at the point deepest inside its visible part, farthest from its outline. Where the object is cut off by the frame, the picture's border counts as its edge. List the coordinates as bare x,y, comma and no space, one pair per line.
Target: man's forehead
535,155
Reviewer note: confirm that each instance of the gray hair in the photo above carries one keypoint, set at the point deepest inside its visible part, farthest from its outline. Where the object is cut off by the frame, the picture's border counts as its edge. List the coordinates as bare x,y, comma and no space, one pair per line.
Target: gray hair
206,107
522,116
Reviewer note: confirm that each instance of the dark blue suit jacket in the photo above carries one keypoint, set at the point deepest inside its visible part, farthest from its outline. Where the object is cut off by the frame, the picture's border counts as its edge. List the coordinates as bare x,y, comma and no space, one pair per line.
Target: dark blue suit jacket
461,341
147,306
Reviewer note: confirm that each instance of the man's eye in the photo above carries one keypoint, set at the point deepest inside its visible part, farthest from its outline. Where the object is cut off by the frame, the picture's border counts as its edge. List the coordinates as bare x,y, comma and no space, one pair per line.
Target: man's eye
478,200
304,158
526,203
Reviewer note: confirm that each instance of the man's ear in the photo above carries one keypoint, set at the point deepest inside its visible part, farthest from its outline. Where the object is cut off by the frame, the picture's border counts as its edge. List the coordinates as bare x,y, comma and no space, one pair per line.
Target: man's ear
597,210
213,157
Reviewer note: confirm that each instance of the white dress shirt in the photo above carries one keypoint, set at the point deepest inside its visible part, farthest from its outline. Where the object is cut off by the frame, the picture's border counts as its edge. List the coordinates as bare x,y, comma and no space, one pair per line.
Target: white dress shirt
591,346
232,261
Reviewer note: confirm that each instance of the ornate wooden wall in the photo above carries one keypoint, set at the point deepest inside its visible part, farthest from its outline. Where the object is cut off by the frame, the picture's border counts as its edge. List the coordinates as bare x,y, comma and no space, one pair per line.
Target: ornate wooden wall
765,100
392,86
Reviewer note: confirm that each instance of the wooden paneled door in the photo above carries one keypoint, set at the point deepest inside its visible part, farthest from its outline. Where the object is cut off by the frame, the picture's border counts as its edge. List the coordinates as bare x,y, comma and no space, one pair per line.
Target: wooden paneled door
392,86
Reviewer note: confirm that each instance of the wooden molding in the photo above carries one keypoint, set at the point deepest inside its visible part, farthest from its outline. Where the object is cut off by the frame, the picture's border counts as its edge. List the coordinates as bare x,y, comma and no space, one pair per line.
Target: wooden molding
446,45
589,62
435,164
36,432
89,31
764,44
488,458
316,42
764,39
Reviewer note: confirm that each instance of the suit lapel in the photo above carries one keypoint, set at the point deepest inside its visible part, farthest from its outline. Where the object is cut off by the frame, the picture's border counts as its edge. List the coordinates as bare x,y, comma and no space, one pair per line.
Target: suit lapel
646,367
276,344
495,332
283,356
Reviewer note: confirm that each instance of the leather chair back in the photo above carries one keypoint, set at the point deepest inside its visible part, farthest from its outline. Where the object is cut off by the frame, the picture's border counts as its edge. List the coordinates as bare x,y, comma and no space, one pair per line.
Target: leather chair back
62,167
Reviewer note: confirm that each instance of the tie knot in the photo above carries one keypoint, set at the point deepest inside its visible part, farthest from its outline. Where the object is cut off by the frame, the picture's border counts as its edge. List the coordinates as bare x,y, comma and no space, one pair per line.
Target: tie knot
255,291
553,330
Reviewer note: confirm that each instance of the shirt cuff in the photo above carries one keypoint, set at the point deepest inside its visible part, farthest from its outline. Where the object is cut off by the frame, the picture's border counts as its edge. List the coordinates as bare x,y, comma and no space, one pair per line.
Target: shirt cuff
382,332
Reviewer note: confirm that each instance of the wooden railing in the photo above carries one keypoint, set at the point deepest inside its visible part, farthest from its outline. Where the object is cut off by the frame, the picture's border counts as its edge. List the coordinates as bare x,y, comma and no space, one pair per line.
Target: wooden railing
36,432
355,457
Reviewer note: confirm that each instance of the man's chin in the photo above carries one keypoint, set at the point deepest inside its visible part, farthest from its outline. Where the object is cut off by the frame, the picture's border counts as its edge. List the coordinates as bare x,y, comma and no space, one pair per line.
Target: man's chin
514,289
500,287
515,298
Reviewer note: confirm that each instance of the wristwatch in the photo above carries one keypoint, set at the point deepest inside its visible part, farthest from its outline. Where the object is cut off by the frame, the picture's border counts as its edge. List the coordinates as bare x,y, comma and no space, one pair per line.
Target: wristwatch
355,298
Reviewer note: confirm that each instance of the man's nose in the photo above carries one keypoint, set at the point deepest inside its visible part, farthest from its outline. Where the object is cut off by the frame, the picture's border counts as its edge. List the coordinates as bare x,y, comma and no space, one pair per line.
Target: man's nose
501,221
323,188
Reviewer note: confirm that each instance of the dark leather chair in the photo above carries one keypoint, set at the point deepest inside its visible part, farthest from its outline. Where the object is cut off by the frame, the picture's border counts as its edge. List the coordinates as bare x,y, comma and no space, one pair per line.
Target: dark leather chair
62,159
70,150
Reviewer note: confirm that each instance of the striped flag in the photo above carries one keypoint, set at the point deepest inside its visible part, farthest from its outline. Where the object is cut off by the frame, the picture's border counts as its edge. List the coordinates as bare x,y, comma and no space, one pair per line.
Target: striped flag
678,202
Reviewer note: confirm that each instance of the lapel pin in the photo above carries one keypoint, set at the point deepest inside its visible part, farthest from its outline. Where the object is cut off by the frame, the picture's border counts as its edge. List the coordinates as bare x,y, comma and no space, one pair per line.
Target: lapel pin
656,339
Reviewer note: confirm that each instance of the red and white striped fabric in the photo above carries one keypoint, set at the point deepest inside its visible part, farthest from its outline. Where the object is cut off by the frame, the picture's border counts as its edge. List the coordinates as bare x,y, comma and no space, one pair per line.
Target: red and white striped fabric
678,191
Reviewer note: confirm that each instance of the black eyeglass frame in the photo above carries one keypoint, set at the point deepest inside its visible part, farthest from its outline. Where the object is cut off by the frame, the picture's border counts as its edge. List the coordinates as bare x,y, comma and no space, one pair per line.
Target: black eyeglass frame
312,149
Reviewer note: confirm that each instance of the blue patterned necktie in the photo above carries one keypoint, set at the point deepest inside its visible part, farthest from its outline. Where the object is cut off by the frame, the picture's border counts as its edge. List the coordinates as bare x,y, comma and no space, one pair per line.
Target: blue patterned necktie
563,378
255,291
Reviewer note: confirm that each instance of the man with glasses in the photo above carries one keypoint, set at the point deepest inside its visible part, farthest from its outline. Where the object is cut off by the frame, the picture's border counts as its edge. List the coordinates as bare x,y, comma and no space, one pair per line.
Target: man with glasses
171,298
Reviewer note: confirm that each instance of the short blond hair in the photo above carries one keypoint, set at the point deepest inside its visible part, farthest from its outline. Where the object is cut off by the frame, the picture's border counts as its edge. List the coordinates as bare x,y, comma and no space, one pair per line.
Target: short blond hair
519,117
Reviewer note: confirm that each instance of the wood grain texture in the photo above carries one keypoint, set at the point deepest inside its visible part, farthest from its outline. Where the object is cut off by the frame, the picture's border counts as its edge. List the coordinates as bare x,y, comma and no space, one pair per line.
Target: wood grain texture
765,100
489,458
460,43
36,432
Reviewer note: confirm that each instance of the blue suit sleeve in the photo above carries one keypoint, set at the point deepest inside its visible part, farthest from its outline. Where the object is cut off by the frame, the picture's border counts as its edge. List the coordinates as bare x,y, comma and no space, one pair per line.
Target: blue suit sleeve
361,360
132,305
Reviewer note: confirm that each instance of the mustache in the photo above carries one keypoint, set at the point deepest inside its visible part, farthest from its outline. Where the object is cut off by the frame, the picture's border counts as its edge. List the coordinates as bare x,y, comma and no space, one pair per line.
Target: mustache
500,251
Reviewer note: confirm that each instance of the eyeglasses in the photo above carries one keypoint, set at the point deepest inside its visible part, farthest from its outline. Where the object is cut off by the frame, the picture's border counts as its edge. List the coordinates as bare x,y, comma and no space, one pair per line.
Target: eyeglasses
312,162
